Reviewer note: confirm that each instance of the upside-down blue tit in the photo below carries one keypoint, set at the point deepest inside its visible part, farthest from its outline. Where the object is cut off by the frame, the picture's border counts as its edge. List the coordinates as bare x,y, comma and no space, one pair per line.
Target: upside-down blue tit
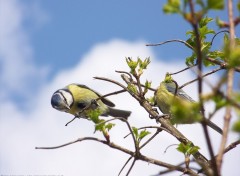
167,98
79,100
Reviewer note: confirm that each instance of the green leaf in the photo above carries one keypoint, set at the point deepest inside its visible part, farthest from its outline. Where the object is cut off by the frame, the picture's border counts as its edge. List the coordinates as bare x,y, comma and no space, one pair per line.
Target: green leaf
94,115
145,63
100,126
147,86
135,132
182,148
204,31
234,57
184,112
216,54
220,23
232,54
187,149
204,21
168,78
191,60
201,3
215,4
191,33
205,47
236,126
132,88
143,134
151,100
109,126
131,64
172,6
193,150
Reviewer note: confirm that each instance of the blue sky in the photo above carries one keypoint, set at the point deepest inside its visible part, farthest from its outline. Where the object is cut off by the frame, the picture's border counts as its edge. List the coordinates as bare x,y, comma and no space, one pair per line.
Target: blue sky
74,27
46,45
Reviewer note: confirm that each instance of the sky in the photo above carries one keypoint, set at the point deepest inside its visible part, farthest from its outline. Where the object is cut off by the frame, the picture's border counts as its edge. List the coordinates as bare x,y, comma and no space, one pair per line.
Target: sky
45,45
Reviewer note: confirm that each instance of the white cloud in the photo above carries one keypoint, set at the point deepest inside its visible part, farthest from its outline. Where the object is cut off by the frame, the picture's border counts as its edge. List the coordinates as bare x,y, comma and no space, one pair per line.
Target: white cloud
44,126
17,70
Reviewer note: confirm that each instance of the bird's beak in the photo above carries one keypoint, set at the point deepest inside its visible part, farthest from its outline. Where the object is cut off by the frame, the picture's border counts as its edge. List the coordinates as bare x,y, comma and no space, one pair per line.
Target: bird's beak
68,107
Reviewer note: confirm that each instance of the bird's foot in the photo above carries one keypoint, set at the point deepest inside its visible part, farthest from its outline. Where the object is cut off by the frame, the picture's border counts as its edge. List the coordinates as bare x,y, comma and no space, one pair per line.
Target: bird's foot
94,102
152,117
165,116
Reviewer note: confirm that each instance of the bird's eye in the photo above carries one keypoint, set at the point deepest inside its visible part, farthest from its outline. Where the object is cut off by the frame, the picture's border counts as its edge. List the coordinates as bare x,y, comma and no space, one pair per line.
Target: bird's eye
81,105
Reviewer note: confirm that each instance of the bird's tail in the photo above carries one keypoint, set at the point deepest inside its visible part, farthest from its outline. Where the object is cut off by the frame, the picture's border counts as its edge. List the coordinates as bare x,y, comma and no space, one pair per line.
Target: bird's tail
214,126
119,113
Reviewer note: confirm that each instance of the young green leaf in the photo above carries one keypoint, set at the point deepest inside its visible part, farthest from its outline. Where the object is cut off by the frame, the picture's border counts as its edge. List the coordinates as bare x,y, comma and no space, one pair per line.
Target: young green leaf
132,64
187,149
172,6
215,4
236,126
135,132
143,134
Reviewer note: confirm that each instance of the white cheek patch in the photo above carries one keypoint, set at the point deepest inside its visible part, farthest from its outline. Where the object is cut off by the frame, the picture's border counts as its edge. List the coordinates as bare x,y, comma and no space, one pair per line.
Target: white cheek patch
68,97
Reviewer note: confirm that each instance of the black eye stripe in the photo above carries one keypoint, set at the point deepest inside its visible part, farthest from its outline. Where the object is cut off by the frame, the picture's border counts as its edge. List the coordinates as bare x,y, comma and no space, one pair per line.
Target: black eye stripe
81,105
72,97
63,96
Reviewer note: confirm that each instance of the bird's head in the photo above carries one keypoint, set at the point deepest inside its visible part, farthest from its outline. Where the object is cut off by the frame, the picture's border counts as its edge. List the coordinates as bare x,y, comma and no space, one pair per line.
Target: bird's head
62,100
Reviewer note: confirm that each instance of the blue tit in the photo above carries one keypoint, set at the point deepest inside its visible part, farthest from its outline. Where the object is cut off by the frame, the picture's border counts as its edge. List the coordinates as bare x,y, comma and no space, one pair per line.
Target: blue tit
166,96
79,100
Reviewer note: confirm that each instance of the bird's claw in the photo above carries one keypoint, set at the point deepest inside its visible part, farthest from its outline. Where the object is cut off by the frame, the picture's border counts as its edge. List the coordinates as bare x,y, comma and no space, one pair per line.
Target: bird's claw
152,117
94,102
165,116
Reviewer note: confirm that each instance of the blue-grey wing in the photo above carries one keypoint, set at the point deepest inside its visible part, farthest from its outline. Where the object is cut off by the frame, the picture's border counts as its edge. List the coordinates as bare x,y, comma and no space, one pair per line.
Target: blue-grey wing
171,87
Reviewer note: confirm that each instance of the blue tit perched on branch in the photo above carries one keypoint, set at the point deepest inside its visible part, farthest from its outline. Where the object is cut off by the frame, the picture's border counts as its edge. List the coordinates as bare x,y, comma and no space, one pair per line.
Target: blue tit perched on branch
180,106
79,100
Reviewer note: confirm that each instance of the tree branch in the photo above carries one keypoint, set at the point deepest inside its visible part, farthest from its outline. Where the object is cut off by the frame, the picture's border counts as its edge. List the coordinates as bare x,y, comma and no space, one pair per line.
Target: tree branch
204,75
194,24
230,73
124,150
167,124
224,65
173,40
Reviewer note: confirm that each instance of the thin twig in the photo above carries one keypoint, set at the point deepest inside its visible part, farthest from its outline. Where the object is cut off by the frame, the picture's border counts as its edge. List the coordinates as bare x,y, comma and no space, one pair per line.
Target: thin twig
232,146
152,89
173,40
124,165
224,65
217,34
145,127
109,94
150,139
204,75
120,148
183,69
169,147
236,21
171,170
129,170
75,117
130,76
129,127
